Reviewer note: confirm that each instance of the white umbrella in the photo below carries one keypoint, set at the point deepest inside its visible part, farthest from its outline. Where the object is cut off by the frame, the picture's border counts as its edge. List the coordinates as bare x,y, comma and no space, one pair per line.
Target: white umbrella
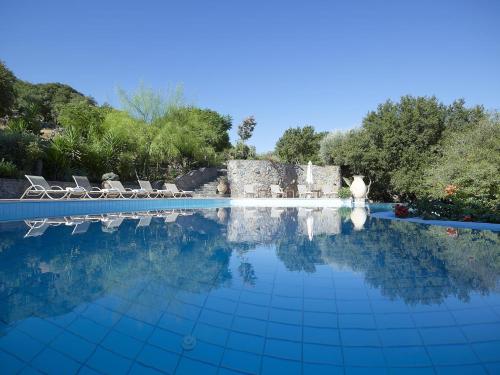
310,227
309,175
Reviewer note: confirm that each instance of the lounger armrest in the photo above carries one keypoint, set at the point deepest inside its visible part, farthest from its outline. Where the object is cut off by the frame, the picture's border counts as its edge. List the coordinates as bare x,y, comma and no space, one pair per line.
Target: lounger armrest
55,187
94,188
129,189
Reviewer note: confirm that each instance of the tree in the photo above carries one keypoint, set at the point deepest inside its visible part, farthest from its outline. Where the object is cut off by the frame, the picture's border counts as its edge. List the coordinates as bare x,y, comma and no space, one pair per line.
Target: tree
149,105
299,145
398,141
471,162
7,94
246,128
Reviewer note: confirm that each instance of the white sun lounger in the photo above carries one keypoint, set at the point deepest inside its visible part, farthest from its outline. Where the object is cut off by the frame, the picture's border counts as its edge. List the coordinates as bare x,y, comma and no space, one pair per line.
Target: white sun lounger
40,188
153,193
176,192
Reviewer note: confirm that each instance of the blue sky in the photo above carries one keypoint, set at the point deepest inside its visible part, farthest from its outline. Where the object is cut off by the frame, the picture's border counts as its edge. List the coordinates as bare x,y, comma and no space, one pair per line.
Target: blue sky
288,63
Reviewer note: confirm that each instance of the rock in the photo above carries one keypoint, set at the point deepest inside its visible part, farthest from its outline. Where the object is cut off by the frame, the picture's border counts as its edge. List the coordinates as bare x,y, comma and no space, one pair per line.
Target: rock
110,177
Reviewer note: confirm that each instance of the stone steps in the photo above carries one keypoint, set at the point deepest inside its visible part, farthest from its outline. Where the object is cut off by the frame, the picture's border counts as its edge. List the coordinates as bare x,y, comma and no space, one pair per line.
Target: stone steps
209,189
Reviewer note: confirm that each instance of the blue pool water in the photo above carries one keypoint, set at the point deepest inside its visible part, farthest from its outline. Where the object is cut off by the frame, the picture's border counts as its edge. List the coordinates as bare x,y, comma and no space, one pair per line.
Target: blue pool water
242,290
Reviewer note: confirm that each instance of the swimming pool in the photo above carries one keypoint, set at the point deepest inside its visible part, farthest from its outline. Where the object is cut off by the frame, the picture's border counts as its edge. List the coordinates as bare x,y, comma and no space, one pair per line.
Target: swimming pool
247,290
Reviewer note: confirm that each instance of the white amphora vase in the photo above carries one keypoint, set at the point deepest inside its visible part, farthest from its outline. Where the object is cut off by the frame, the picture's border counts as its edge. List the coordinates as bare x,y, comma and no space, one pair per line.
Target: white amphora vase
358,187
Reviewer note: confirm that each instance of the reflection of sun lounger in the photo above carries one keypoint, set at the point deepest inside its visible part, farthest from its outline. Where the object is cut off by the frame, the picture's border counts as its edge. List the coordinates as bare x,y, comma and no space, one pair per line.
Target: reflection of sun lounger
144,221
171,217
111,222
81,228
38,227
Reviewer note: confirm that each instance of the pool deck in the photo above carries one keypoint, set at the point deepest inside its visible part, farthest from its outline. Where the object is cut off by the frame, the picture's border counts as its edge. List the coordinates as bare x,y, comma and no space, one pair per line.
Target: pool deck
389,215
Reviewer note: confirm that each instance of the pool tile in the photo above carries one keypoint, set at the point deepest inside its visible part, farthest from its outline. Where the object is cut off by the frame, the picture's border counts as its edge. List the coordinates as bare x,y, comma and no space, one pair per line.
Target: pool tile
488,351
482,332
189,367
261,299
248,325
460,370
359,337
289,303
247,343
363,356
354,307
30,370
184,310
114,303
10,364
176,324
434,319
221,304
364,321
216,318
144,314
322,354
452,355
205,353
440,336
475,316
400,337
285,316
284,331
134,328
87,329
407,356
284,349
224,293
166,340
53,362
318,369
122,344
272,366
241,361
326,336
73,346
109,363
252,311
39,329
211,334
138,369
394,321
20,345
159,359
320,305
318,319
101,315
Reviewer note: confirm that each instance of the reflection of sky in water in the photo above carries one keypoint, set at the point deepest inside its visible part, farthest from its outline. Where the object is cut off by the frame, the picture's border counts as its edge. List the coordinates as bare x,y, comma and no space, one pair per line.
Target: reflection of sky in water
259,290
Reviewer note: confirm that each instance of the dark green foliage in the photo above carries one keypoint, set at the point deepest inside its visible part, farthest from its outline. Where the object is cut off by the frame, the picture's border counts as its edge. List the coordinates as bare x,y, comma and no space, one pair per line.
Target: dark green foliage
344,192
7,94
299,145
47,98
8,169
399,141
24,150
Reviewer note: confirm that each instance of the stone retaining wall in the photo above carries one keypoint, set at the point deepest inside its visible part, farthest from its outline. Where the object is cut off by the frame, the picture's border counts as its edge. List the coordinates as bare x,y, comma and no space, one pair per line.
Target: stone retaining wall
266,173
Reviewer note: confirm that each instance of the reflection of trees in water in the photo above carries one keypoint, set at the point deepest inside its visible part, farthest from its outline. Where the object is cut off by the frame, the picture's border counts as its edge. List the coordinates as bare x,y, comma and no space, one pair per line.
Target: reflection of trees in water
54,273
418,263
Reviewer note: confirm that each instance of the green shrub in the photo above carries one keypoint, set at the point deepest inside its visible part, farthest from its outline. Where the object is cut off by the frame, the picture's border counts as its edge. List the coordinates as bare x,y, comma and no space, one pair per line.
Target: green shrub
344,192
8,169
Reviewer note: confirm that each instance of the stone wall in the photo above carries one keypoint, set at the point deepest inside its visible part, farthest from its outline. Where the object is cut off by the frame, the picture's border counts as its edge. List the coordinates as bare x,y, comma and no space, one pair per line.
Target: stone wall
194,179
266,173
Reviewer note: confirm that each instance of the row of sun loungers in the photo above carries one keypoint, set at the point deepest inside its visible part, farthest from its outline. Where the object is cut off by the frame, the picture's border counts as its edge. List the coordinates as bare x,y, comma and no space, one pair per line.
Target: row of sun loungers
40,188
